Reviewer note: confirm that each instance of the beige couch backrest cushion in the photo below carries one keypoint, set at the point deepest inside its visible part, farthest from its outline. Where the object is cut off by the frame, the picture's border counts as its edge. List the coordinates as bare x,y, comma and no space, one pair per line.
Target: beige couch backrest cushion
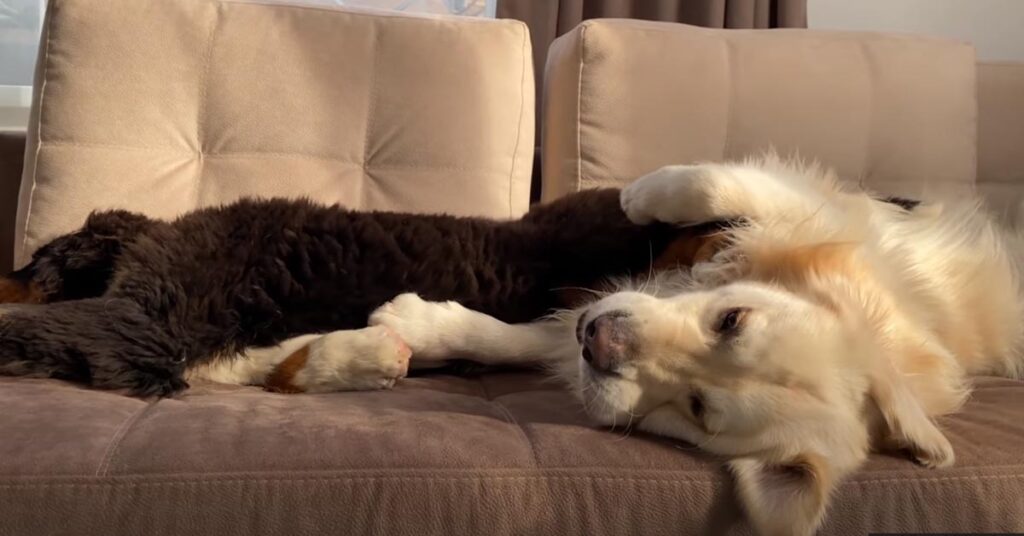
1001,138
164,106
623,98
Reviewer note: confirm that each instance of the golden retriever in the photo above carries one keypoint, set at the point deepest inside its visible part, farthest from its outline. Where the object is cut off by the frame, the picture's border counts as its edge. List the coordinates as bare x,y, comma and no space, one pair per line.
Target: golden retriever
827,325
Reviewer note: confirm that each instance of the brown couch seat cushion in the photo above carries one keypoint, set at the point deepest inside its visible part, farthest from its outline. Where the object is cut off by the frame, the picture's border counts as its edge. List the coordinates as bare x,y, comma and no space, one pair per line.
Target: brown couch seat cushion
511,453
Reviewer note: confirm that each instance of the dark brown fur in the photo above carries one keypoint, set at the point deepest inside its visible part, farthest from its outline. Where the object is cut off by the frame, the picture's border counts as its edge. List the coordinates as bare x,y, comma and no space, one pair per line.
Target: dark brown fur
131,302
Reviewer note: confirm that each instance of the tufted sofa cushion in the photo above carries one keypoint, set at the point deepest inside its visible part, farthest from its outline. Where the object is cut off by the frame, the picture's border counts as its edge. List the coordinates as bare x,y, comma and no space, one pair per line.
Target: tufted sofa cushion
624,97
163,107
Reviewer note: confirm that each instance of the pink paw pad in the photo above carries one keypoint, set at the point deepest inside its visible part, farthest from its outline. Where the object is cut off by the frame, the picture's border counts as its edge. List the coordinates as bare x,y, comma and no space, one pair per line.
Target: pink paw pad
404,352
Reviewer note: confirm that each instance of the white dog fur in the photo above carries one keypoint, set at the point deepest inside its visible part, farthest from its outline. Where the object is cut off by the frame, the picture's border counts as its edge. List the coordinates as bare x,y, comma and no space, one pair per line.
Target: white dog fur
365,359
859,322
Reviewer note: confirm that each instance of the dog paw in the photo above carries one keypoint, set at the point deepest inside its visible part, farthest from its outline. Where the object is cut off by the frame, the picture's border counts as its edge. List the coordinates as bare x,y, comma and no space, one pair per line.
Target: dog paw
366,359
425,326
672,194
934,454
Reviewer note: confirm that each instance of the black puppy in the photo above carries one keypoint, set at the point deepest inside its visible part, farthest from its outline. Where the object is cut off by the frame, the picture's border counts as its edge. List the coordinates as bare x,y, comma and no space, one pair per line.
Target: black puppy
128,302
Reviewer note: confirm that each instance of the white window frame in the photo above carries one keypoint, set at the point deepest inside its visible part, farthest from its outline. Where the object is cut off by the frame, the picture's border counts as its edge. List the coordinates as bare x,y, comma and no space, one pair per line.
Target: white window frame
15,101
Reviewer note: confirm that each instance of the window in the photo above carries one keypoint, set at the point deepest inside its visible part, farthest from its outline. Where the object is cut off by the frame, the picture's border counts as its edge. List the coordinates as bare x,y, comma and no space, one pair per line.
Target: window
21,22
471,8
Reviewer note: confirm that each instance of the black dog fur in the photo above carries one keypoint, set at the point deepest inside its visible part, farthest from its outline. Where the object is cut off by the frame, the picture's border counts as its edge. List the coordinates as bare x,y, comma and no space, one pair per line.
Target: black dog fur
128,302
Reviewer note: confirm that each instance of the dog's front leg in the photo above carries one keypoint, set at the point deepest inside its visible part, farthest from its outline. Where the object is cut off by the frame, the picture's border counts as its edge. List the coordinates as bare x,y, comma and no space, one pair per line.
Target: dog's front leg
438,331
712,192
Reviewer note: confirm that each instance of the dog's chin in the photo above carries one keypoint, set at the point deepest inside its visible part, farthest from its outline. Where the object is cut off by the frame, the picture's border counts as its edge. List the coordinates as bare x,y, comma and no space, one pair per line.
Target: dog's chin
608,400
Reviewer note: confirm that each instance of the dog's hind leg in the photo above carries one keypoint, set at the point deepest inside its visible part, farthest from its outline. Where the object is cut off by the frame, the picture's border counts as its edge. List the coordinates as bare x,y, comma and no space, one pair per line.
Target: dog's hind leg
351,360
102,342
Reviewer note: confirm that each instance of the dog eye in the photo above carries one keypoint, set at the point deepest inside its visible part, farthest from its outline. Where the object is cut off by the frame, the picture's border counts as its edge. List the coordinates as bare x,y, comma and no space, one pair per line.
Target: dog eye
731,320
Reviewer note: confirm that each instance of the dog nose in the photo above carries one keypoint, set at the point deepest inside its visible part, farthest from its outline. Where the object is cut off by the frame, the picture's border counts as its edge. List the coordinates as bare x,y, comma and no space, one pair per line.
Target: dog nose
606,341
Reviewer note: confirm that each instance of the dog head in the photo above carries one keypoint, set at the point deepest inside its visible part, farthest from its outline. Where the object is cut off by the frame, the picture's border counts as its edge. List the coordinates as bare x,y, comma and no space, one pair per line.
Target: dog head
78,264
790,387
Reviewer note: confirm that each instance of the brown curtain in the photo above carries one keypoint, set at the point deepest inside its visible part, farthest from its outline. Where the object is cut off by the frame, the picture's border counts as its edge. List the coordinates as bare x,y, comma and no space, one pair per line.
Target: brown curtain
12,152
548,19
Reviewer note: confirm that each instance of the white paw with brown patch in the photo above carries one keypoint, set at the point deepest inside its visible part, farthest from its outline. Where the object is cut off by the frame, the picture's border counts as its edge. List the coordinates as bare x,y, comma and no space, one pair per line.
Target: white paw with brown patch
355,360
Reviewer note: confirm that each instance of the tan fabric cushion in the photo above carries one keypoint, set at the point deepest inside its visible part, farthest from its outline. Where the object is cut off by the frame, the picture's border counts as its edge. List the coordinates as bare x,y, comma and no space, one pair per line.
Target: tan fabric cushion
166,106
502,454
1001,138
623,98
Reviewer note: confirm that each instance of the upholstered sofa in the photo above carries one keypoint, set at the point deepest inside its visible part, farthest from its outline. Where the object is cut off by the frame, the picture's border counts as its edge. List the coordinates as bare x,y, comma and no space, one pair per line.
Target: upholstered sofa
165,106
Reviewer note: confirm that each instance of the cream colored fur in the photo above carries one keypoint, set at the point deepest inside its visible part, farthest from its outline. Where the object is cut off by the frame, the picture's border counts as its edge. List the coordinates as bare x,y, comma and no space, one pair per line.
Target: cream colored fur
862,323
349,360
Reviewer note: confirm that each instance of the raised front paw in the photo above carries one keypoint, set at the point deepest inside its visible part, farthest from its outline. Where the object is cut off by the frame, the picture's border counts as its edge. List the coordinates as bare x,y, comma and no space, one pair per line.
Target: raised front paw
427,327
672,194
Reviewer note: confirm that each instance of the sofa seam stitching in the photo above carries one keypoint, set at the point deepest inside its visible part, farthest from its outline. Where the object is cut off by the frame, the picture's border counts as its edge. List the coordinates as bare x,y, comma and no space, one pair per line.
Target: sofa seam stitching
371,108
975,123
202,105
730,101
39,132
262,154
114,480
936,479
510,419
588,471
115,441
579,108
869,135
519,127
205,81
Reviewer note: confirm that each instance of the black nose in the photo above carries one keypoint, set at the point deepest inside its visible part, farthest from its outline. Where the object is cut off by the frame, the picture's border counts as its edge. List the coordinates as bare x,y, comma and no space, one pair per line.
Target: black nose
607,340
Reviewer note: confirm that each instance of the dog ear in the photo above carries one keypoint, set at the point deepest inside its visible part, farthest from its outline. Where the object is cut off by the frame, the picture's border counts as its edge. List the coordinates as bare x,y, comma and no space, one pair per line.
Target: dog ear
907,425
784,499
117,224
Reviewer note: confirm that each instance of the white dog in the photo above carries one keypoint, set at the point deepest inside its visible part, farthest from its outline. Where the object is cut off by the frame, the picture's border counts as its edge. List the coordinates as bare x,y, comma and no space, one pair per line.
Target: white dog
828,325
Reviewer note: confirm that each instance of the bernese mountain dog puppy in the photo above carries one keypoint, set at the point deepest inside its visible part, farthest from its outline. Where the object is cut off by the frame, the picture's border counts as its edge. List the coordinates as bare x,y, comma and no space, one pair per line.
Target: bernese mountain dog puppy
130,303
